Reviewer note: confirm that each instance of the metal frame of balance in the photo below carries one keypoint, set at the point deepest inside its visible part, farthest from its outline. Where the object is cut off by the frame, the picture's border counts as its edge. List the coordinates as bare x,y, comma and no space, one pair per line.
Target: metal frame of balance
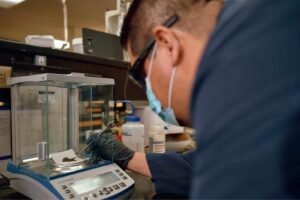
52,117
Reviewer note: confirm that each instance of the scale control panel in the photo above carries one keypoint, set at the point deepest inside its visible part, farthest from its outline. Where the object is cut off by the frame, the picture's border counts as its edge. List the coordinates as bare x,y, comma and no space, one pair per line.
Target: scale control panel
98,183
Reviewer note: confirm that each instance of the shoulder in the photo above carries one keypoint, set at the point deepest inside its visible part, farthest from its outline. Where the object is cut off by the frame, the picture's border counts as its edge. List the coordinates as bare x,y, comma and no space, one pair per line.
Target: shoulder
254,40
246,102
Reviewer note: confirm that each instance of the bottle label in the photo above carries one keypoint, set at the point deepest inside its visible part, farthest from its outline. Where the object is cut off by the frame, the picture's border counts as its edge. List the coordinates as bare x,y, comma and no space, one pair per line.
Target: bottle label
133,136
157,146
126,134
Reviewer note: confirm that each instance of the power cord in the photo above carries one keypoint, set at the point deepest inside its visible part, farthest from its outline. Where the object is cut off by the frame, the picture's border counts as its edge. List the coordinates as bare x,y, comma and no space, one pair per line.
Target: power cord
4,182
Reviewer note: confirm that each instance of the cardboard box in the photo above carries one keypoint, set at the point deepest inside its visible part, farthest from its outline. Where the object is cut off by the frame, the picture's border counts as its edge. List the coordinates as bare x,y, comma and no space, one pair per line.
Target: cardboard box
5,73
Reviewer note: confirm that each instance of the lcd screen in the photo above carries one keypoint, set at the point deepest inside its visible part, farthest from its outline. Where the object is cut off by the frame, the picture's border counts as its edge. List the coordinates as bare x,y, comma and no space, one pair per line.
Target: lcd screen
92,183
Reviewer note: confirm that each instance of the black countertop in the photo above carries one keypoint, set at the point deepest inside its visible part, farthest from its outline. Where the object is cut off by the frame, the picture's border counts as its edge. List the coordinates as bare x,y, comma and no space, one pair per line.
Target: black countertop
22,57
60,54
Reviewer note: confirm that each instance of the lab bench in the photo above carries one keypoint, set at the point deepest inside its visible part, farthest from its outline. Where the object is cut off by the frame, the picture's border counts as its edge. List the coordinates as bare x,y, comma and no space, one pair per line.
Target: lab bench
22,58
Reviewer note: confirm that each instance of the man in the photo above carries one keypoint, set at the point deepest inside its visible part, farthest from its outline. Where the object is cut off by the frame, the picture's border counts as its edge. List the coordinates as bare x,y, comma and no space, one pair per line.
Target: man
180,39
243,99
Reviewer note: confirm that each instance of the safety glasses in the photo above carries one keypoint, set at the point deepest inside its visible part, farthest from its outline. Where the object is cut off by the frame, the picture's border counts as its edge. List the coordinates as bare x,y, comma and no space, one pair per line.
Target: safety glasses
136,71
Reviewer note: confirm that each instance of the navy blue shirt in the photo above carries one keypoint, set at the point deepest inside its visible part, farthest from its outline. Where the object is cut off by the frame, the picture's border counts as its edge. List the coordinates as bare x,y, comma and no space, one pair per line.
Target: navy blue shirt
246,109
171,172
246,104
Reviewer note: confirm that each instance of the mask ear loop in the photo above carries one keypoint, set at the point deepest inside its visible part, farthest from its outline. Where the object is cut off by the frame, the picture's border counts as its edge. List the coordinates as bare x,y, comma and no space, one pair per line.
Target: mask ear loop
171,87
151,61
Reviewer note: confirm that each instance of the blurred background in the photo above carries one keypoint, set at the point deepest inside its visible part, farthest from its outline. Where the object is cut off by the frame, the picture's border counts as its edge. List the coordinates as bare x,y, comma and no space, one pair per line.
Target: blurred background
45,17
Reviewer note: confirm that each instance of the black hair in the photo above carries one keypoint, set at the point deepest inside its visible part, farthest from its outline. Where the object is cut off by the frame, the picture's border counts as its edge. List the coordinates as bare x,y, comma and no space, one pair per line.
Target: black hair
127,21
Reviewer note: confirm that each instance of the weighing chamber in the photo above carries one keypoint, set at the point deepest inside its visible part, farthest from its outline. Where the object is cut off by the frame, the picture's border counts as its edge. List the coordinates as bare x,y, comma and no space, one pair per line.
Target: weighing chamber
53,115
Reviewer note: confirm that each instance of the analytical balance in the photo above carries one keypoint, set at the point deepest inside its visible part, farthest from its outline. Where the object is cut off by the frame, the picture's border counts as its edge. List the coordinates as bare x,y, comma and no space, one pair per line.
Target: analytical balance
52,117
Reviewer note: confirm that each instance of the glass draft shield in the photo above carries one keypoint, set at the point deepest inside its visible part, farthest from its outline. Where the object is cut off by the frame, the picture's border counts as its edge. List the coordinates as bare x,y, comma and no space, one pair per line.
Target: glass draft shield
53,116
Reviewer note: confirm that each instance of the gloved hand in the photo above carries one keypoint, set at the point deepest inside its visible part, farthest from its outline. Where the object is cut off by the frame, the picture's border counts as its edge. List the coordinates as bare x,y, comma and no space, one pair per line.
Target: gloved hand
106,146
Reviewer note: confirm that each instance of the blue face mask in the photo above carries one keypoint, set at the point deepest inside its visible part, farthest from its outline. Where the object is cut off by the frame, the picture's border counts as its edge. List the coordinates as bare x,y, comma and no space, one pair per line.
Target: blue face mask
167,114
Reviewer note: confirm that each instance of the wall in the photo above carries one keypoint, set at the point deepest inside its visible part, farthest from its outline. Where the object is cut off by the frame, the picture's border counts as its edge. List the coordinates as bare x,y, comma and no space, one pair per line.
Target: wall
45,17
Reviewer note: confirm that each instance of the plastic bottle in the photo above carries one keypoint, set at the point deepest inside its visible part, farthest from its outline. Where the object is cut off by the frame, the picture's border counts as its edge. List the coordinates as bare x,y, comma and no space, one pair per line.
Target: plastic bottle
157,139
133,133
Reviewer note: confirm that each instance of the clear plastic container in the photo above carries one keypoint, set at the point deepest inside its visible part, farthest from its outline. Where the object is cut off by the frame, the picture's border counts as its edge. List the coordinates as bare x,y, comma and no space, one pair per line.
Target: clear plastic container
157,139
133,134
77,45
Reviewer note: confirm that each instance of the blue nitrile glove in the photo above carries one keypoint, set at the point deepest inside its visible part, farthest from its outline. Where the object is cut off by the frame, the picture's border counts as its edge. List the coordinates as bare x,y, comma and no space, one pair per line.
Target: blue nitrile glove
106,146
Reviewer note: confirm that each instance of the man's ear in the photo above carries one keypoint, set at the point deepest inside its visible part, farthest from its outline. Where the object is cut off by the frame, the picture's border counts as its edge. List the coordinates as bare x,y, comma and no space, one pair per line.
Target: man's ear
167,39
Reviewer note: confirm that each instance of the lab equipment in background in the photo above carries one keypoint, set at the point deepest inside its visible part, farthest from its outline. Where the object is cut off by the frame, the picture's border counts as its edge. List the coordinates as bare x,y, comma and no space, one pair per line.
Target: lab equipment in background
54,112
40,60
5,73
114,18
148,118
117,113
46,41
133,133
176,137
77,45
179,142
111,113
40,40
120,112
157,139
128,128
102,44
114,21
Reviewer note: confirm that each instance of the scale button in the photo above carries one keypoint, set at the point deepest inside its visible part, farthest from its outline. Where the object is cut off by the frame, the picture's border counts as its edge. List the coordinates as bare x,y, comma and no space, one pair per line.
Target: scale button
85,198
71,196
68,191
124,177
117,170
64,187
116,187
122,184
121,174
93,195
110,189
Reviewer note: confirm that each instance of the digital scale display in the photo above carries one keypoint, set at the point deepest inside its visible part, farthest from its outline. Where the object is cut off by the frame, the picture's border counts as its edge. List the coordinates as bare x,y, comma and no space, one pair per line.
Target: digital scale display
93,183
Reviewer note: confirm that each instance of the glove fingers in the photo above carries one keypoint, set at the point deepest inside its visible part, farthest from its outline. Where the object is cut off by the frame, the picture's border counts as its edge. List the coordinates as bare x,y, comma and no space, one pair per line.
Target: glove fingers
106,136
91,143
96,157
89,149
92,138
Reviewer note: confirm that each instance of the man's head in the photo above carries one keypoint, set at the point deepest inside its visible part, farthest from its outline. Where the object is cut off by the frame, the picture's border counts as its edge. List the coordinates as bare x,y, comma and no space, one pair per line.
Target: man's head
179,46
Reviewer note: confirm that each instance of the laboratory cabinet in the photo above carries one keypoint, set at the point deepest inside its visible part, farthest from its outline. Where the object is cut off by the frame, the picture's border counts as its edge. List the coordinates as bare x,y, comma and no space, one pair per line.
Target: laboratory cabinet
24,59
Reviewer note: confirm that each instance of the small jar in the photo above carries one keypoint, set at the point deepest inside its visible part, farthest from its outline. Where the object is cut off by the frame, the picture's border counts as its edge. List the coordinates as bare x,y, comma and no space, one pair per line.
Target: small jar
157,139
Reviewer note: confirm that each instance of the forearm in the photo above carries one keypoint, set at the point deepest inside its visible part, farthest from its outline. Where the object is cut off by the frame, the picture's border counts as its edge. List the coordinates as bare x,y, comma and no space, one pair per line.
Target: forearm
139,164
